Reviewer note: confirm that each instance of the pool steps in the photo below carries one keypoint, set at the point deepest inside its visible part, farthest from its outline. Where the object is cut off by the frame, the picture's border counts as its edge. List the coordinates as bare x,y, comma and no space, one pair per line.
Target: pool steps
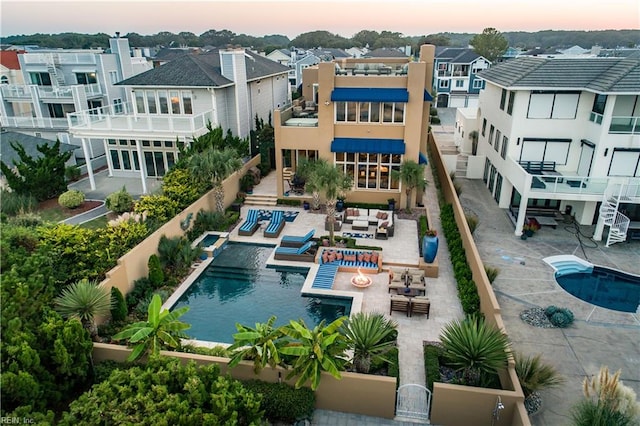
568,264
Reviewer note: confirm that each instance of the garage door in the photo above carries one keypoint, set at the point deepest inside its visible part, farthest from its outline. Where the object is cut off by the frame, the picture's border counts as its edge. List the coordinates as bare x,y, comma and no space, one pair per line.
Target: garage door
457,101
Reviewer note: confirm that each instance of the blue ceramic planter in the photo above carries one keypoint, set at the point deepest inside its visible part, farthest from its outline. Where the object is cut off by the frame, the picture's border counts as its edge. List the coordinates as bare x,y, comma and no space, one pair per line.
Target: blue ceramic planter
429,248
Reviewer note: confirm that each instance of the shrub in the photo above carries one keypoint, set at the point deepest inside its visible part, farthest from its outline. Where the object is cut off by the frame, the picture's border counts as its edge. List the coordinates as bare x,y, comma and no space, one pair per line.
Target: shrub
71,199
141,289
210,221
283,403
27,219
559,317
158,207
156,275
219,351
492,273
14,203
71,173
435,120
118,305
472,221
179,185
289,202
120,202
432,364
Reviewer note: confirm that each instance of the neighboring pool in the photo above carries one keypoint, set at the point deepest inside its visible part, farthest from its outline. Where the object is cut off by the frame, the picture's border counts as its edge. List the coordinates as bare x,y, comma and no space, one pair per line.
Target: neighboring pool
604,287
238,287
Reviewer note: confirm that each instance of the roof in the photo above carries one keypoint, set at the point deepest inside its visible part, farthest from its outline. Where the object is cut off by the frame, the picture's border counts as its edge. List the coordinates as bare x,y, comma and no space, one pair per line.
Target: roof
457,55
29,143
9,59
327,54
602,75
385,53
202,70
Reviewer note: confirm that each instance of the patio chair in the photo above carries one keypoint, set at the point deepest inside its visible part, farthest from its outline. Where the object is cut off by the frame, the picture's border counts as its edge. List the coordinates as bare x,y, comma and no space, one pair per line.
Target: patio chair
420,305
325,276
304,253
296,241
400,304
275,226
250,225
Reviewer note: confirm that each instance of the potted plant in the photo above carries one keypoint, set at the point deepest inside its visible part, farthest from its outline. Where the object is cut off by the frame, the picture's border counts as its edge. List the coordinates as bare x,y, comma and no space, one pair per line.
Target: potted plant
340,205
391,204
528,229
430,245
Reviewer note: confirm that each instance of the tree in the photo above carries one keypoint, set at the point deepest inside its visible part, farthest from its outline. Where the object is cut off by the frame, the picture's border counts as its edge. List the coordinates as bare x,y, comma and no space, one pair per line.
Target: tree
42,177
261,344
215,166
334,183
118,305
322,348
370,336
475,348
491,44
307,171
84,300
411,175
161,329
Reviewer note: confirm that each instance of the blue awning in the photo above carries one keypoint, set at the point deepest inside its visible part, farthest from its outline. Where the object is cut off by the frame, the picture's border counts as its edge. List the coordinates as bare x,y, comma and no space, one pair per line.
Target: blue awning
369,146
427,96
369,94
422,159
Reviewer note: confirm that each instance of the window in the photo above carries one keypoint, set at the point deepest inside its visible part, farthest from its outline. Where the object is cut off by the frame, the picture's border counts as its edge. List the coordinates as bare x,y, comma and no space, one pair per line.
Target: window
369,171
151,102
175,101
503,98
86,77
484,126
393,112
369,112
113,77
443,84
4,80
496,146
485,174
599,102
496,194
491,130
477,84
512,96
545,150
186,102
117,106
56,110
553,105
625,162
459,83
40,78
140,105
503,151
164,105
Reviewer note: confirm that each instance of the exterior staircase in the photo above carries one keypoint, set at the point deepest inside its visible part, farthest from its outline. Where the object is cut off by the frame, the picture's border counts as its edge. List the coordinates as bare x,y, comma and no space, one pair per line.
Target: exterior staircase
53,71
461,165
610,214
261,200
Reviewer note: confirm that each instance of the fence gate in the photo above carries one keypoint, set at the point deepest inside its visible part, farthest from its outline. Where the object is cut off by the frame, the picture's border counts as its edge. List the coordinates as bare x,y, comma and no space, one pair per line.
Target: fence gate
413,401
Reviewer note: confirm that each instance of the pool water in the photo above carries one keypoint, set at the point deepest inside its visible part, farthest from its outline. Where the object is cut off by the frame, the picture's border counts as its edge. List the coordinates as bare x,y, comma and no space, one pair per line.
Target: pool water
209,240
238,287
604,287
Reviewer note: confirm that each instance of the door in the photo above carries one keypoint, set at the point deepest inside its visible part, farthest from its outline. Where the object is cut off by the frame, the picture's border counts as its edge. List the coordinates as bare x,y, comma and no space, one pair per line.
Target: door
586,156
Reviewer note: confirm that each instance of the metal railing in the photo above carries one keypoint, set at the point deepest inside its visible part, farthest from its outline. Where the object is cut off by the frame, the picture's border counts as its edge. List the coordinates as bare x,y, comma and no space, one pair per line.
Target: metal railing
626,125
34,122
48,92
61,57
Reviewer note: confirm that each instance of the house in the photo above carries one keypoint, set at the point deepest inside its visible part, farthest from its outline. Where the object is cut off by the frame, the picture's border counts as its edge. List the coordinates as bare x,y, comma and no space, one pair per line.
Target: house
366,116
357,52
456,77
167,106
58,82
561,135
10,74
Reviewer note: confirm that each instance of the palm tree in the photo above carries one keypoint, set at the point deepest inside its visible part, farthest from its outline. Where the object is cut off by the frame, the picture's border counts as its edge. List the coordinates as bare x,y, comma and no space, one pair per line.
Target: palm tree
261,344
84,300
411,175
334,183
215,166
315,350
370,336
161,329
475,348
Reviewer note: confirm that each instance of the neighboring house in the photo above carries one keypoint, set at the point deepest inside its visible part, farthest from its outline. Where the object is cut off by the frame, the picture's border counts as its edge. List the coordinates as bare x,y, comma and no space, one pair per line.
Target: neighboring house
561,135
59,82
384,52
170,105
370,116
8,155
329,54
282,56
10,74
168,54
455,77
357,52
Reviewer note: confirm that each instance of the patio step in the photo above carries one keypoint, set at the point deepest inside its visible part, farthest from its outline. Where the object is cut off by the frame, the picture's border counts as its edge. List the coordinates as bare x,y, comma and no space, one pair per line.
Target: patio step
261,200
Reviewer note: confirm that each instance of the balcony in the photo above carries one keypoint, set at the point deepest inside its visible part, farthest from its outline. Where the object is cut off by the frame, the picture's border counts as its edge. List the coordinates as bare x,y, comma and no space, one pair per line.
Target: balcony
70,58
372,69
55,93
122,117
34,123
625,125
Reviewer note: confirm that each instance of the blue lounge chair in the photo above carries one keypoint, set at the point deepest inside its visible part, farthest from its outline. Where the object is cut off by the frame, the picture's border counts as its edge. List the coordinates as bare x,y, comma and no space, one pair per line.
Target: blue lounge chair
296,241
325,276
275,226
303,253
251,224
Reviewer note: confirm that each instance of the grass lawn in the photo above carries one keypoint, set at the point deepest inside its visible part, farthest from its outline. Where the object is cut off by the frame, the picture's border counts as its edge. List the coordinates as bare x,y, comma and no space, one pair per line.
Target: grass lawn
99,222
51,211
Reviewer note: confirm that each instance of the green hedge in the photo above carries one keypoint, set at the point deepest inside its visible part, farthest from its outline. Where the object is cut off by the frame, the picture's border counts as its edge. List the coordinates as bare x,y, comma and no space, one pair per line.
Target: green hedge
467,290
283,403
289,202
432,364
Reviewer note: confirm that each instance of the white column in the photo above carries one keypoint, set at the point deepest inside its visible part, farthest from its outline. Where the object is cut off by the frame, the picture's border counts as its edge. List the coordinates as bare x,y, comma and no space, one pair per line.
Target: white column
143,174
522,214
87,156
597,233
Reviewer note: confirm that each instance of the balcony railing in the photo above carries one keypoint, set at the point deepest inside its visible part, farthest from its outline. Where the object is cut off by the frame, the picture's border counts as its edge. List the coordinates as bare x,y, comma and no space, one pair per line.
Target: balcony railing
15,91
49,92
34,122
122,117
626,125
61,58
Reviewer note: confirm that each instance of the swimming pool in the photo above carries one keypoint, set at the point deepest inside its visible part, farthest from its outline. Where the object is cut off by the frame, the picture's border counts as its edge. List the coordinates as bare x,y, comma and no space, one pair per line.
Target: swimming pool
209,239
603,287
238,286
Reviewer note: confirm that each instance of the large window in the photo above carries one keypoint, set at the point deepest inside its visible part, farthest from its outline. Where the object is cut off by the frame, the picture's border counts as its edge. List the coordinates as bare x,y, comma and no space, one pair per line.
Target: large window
512,97
369,112
503,99
40,78
140,105
503,151
370,171
625,162
491,130
86,78
553,105
496,145
545,150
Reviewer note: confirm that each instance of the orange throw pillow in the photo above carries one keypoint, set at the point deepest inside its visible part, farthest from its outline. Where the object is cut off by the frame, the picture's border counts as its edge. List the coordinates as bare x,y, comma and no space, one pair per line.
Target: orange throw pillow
360,257
339,255
374,259
367,257
325,257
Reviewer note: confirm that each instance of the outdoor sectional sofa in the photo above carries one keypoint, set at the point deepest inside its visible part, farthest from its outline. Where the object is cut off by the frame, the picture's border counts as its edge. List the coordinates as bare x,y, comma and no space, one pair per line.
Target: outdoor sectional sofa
375,217
350,260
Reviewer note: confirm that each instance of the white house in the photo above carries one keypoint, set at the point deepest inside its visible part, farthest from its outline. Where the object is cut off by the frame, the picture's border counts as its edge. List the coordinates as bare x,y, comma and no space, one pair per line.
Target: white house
561,135
58,82
169,105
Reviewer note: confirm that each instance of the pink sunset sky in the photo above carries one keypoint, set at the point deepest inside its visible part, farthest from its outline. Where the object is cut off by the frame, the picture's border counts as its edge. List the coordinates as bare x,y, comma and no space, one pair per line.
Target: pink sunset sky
291,18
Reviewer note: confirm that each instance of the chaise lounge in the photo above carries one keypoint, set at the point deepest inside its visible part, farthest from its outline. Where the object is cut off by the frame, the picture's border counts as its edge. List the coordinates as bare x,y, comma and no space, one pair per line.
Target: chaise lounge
304,253
296,241
250,225
275,226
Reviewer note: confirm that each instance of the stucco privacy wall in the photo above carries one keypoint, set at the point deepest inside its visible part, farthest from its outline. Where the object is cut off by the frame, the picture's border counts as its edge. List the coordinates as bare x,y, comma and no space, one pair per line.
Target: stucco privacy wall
365,394
479,402
133,265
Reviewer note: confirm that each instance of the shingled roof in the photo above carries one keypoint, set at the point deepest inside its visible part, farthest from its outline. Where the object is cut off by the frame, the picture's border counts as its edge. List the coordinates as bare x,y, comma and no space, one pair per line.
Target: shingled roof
29,143
601,75
458,55
202,70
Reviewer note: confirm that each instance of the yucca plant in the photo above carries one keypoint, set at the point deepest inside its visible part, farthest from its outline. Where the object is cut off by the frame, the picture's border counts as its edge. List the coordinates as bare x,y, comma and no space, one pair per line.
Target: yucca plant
84,300
371,336
534,375
475,348
492,273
